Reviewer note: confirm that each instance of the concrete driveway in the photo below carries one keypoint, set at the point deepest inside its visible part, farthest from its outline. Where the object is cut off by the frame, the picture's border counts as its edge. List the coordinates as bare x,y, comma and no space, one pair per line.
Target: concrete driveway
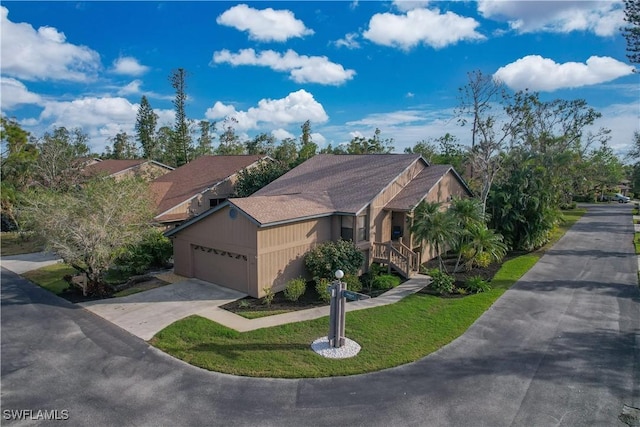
26,262
146,313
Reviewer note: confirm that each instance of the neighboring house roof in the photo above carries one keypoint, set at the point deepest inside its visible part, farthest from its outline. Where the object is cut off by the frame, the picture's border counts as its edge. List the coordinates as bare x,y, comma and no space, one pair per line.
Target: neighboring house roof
194,178
114,167
411,195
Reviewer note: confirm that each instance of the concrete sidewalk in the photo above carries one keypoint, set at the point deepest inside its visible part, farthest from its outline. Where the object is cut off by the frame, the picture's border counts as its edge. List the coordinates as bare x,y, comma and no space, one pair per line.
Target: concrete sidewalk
20,264
241,324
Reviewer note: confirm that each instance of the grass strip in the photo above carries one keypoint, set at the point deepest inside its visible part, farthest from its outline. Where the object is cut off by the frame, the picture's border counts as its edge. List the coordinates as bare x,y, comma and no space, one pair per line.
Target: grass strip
51,277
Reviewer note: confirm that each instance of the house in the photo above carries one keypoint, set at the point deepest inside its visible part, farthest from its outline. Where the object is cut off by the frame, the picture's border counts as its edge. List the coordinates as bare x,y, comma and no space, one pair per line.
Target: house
259,242
198,186
118,169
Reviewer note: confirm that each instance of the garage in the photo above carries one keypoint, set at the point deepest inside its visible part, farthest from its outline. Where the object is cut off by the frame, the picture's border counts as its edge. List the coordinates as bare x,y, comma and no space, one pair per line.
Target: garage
220,267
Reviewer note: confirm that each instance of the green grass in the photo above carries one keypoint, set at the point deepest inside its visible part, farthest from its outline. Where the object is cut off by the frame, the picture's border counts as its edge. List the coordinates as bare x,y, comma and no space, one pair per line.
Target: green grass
390,336
259,314
19,243
51,277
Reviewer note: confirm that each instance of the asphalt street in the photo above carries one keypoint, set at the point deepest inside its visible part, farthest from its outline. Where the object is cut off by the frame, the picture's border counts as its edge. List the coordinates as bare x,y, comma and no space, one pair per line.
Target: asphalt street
560,348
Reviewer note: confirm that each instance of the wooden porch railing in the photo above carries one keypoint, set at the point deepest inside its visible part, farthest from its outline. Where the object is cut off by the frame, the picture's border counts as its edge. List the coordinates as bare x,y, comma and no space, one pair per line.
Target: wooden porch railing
396,256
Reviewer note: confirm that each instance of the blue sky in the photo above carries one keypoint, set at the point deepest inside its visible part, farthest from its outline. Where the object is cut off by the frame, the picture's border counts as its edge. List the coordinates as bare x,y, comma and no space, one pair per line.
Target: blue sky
348,67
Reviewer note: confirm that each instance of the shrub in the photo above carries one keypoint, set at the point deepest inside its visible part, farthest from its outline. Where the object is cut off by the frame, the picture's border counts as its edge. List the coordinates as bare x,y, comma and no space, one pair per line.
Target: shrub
441,282
323,260
385,281
353,282
321,289
477,284
295,289
482,260
267,299
154,251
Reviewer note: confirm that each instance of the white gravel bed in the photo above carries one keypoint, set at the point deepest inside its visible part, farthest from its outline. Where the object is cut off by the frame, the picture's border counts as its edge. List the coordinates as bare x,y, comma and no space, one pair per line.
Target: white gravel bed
349,349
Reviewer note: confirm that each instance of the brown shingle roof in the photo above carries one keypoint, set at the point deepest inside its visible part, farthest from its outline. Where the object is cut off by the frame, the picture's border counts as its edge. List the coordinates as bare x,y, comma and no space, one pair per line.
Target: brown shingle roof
350,182
195,177
112,166
409,197
273,209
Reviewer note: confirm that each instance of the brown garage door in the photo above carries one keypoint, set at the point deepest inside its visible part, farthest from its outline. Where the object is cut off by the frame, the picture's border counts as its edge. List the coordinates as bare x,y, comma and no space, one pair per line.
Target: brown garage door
220,267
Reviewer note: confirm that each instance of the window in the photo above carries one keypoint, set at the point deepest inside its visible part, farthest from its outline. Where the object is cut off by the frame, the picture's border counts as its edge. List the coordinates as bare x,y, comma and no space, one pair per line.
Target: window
346,228
362,228
215,202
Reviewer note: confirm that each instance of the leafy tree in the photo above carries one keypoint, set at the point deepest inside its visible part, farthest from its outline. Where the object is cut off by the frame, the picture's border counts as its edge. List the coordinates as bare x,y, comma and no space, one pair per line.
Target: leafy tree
634,154
426,148
483,246
165,141
89,226
308,148
230,142
605,169
338,149
146,122
434,227
262,144
205,140
16,171
61,161
373,145
286,152
123,147
631,32
252,179
182,143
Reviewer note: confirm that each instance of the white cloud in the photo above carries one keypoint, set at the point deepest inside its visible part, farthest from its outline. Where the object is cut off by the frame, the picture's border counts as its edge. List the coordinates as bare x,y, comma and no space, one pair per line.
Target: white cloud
393,118
542,74
603,18
264,25
301,68
129,66
421,26
281,134
100,118
406,5
349,41
132,88
297,107
318,138
15,93
43,54
410,95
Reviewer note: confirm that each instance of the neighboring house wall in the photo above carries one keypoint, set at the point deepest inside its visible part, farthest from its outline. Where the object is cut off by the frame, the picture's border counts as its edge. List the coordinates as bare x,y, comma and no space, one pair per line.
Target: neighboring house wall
233,255
281,251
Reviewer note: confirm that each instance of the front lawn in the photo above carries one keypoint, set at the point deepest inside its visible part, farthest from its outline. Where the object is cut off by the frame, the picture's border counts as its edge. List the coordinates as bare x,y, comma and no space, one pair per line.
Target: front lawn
51,277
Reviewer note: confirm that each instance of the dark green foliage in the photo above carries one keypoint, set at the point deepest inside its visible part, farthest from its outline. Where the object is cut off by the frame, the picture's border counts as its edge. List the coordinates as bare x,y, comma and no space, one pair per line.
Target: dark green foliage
434,227
295,289
153,252
522,207
323,260
251,180
477,284
373,145
385,281
353,282
441,282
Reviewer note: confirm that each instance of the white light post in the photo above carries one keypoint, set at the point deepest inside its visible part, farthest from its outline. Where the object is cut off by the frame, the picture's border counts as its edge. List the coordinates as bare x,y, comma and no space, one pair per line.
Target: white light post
337,311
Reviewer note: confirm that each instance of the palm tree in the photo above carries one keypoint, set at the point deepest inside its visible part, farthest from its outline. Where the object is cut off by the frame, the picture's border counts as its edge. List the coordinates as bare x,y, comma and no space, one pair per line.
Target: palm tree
468,213
484,241
434,227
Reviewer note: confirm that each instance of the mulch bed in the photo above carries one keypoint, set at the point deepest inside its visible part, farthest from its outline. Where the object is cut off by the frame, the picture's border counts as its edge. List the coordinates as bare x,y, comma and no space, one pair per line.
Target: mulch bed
75,296
309,299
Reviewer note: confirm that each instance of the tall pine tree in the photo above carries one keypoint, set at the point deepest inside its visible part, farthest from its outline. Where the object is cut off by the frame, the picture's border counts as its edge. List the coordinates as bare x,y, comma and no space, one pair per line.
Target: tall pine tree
146,122
182,143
